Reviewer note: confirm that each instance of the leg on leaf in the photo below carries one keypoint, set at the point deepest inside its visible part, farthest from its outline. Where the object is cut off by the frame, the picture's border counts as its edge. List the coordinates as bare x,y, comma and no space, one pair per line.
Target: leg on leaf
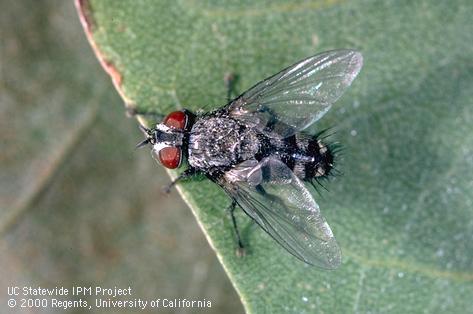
240,250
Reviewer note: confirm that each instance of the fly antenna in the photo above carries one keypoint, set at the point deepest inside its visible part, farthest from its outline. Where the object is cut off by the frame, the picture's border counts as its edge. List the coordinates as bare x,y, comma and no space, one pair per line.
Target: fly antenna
142,143
144,129
149,135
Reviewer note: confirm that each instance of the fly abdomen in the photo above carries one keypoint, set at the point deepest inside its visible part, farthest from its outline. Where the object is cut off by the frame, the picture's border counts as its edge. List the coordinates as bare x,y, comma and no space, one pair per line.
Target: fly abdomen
308,157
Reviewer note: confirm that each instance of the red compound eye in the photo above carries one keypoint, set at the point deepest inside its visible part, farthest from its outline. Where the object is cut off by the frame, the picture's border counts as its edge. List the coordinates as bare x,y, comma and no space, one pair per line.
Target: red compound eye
176,119
170,157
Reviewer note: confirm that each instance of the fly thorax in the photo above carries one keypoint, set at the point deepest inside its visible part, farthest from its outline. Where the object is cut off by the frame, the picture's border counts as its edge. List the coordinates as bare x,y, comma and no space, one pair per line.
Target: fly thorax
220,142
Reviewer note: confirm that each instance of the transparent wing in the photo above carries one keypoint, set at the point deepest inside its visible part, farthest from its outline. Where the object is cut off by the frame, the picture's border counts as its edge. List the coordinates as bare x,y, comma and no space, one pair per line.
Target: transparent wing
299,95
278,201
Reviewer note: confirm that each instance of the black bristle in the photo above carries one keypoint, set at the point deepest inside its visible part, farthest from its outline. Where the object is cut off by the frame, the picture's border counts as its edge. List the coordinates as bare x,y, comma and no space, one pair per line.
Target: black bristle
319,183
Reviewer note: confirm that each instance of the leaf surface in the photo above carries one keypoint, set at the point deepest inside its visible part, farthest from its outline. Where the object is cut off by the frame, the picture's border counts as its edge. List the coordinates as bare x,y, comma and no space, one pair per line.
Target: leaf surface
403,210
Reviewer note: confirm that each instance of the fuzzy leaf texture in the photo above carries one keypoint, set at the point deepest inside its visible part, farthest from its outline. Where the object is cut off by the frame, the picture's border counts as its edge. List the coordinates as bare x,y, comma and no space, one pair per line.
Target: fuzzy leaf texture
403,210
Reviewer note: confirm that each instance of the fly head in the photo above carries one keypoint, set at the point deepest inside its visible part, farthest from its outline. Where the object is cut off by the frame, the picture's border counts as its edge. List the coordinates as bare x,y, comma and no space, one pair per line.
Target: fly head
167,139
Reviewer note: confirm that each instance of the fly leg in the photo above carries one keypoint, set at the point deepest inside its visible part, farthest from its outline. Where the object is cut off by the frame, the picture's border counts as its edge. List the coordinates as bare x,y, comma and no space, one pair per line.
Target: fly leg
189,172
230,80
240,250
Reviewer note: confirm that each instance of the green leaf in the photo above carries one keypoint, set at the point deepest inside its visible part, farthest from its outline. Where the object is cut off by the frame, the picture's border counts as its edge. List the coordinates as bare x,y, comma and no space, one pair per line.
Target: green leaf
403,210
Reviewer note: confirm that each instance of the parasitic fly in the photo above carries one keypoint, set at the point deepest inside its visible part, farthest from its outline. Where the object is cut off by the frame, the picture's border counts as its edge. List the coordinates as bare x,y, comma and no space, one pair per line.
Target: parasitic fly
255,148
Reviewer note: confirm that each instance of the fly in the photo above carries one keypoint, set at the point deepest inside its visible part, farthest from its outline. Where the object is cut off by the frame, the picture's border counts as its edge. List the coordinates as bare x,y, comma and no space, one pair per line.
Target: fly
256,150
